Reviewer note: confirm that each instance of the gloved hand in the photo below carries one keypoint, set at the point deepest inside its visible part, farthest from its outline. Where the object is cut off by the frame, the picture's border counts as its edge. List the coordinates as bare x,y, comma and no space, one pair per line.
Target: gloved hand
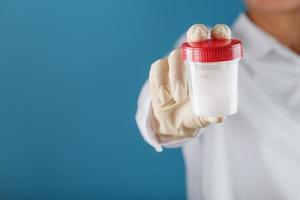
172,113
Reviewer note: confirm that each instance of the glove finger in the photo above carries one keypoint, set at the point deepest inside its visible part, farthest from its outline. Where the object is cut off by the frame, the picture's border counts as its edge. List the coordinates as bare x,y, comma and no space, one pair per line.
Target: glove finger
202,122
215,120
177,76
221,31
159,82
197,33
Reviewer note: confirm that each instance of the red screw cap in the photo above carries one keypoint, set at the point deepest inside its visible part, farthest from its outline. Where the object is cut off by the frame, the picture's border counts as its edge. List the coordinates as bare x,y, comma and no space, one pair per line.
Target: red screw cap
212,50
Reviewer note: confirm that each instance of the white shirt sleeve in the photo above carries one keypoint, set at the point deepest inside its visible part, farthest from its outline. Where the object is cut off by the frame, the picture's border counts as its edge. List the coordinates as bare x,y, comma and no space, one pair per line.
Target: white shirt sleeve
143,117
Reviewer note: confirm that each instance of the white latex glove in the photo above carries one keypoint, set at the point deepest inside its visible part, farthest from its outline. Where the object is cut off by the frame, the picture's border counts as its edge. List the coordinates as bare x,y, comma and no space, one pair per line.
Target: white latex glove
172,113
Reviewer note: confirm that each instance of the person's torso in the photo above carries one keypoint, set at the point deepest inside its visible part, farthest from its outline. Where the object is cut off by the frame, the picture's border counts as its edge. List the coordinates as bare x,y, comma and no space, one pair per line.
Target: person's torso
254,154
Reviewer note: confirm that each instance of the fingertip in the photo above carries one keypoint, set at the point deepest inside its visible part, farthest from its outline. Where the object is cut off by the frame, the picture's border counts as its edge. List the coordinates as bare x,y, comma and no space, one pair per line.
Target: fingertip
158,63
158,68
197,33
175,54
221,31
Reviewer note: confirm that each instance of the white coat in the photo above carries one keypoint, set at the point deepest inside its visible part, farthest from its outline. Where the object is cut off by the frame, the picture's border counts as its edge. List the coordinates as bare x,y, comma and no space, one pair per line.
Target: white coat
254,154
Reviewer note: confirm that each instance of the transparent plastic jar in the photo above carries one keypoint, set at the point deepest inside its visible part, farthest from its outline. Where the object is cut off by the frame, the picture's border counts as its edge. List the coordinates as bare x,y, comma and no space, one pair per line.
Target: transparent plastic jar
212,72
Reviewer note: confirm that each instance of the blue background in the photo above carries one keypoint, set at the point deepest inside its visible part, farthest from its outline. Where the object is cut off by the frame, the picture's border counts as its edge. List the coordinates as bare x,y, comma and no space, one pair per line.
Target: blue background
70,75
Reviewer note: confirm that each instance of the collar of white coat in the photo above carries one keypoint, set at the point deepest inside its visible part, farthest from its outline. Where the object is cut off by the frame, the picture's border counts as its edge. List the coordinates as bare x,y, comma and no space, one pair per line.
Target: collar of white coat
256,42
